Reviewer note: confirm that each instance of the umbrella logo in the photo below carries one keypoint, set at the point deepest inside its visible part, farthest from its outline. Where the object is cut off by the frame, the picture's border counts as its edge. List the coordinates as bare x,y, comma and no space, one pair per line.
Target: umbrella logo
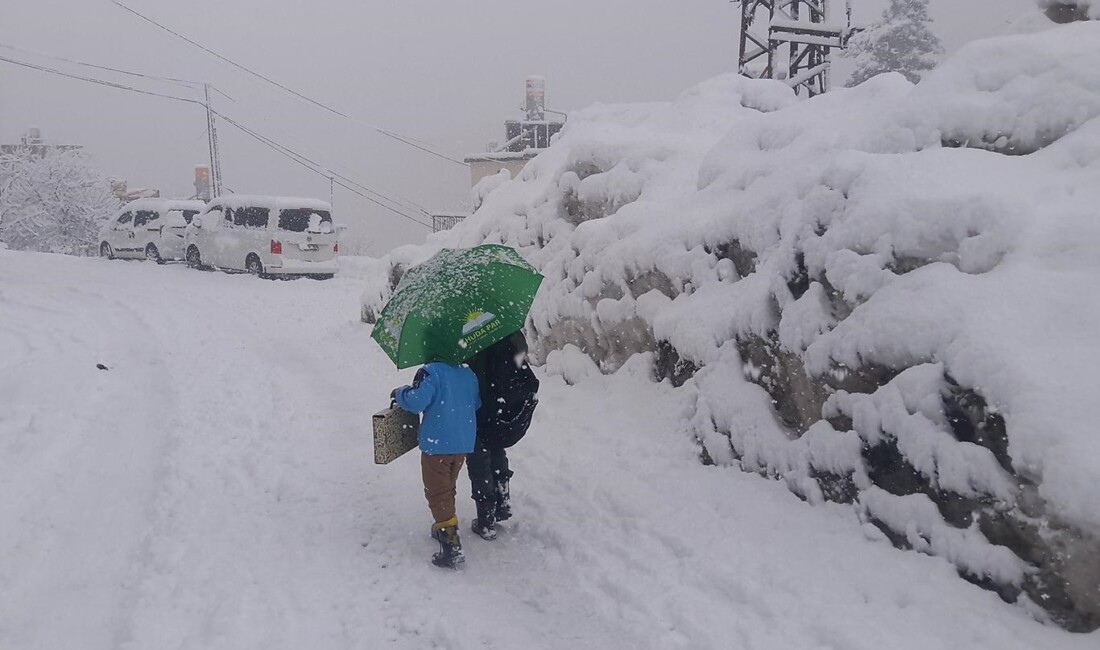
479,325
476,320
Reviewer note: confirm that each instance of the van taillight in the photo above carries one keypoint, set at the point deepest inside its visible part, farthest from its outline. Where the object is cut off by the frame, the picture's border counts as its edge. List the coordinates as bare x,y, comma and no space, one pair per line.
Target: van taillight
276,247
336,247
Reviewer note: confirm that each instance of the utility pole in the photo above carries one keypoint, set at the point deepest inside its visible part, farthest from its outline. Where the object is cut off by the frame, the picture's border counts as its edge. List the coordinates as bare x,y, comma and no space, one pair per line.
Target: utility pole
212,143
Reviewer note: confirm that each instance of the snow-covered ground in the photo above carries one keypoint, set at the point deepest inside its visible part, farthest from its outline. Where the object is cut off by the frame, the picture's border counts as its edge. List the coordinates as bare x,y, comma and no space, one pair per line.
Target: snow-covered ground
214,489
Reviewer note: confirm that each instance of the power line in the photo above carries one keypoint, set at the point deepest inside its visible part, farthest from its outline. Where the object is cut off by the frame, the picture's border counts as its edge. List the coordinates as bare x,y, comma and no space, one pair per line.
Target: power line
172,80
402,202
345,182
320,170
187,83
390,134
405,203
101,82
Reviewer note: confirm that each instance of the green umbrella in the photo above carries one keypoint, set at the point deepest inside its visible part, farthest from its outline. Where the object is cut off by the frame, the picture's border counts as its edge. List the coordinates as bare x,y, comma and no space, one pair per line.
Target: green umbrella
456,304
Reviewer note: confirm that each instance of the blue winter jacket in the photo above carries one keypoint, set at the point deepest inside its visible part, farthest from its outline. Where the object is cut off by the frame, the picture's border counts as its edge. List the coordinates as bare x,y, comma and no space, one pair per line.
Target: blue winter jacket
448,397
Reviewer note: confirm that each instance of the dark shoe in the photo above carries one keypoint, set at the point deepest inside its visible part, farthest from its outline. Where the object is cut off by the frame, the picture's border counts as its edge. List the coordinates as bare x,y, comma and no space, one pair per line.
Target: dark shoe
450,547
503,499
485,524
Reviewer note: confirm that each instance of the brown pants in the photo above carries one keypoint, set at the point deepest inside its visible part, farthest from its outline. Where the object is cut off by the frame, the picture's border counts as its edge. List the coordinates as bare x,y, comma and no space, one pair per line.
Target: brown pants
440,476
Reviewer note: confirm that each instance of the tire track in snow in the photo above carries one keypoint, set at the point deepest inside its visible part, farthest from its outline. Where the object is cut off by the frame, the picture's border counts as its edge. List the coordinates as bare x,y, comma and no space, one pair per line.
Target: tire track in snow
222,506
259,458
76,483
352,498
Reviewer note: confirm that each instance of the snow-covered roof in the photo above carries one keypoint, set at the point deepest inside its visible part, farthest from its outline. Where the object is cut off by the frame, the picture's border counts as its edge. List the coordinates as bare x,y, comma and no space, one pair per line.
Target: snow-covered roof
270,202
180,204
162,205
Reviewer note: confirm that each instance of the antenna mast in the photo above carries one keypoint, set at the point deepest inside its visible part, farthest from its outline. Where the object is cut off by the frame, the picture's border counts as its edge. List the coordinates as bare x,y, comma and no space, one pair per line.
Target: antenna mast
790,40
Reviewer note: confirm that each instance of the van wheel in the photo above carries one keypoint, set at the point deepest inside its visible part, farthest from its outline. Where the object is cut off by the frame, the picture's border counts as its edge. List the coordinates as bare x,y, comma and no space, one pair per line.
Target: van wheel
254,266
194,259
152,254
105,251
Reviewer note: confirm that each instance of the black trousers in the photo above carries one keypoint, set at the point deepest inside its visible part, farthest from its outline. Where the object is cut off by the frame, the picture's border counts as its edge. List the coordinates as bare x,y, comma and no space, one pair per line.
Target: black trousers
487,467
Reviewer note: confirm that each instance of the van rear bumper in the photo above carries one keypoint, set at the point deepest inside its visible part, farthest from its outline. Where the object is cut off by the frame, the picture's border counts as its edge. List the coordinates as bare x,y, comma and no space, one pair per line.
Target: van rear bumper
299,267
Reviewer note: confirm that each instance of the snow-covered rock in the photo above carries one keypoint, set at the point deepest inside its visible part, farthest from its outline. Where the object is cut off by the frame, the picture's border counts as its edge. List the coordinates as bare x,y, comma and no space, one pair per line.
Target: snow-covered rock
1064,11
867,298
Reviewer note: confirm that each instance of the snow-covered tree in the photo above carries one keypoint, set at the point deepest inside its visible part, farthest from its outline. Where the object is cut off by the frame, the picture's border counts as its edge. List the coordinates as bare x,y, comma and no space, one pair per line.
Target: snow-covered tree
53,203
900,42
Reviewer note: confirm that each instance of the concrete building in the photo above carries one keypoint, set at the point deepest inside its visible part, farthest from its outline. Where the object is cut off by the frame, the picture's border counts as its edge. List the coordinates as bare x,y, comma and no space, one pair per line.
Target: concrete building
491,162
32,144
524,138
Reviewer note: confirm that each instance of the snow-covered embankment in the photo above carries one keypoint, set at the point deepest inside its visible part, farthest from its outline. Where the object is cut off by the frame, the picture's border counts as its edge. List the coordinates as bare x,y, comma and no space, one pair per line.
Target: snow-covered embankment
884,296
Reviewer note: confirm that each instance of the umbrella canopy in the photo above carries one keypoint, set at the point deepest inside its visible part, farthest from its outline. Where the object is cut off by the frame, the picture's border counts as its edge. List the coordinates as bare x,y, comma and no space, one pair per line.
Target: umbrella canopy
456,304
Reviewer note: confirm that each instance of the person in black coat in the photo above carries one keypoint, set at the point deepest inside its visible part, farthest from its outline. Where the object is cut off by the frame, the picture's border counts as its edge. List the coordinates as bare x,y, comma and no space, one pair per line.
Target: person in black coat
508,390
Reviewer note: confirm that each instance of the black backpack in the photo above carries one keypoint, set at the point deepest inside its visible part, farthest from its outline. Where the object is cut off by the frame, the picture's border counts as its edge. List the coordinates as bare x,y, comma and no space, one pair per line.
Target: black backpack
508,389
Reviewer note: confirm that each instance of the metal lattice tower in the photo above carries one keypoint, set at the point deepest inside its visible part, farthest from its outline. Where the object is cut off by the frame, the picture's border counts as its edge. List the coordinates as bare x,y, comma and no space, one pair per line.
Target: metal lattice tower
790,40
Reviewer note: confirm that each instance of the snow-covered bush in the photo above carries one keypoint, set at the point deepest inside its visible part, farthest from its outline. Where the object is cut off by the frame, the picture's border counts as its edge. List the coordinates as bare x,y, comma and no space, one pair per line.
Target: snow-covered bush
900,42
53,203
860,307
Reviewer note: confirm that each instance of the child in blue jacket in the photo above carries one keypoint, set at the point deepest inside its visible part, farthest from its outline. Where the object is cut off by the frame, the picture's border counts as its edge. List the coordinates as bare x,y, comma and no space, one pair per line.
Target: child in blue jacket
447,395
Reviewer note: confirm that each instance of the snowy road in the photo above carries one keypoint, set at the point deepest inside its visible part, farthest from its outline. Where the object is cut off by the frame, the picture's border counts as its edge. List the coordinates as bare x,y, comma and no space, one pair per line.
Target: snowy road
214,489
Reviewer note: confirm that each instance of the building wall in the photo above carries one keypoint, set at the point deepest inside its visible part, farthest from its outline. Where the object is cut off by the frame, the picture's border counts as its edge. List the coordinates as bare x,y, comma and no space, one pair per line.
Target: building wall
479,169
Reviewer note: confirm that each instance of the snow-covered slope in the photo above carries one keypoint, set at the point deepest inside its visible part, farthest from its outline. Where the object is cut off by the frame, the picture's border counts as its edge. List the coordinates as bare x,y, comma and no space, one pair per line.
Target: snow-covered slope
885,296
213,489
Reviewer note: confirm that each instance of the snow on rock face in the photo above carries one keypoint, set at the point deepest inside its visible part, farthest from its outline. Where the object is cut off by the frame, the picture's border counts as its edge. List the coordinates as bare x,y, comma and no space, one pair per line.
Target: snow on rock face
860,308
571,364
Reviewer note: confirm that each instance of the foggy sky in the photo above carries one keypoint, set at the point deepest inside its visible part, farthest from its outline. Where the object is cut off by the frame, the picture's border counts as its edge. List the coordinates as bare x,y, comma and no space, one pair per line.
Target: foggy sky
443,72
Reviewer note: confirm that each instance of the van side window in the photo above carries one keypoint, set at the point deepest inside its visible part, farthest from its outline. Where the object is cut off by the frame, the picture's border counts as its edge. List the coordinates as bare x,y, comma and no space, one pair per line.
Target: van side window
251,217
227,220
189,214
142,217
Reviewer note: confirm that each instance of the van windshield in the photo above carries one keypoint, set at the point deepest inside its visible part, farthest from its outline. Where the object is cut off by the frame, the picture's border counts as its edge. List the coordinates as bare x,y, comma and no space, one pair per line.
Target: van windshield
303,219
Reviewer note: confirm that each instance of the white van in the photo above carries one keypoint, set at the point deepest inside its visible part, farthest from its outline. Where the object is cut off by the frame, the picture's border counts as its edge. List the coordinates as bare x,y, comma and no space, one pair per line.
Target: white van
148,228
264,235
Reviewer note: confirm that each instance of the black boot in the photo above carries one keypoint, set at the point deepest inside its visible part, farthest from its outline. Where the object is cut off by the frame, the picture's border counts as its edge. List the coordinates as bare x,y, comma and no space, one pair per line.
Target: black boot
450,547
485,524
503,498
